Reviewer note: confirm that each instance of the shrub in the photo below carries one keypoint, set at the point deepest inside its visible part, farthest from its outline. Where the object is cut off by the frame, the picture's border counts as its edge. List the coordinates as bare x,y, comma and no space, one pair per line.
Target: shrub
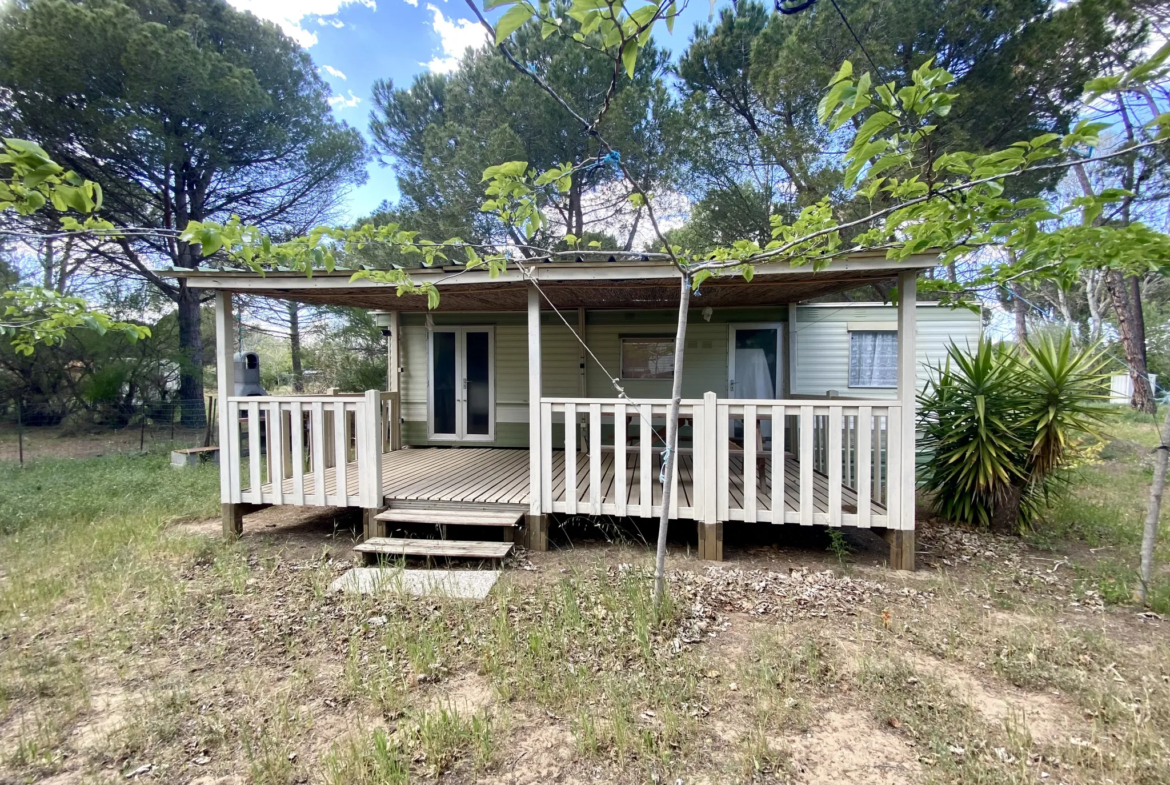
999,426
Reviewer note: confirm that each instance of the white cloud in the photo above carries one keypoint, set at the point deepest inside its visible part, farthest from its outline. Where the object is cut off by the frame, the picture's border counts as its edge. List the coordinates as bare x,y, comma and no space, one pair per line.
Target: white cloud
412,2
342,102
333,71
456,36
290,14
330,22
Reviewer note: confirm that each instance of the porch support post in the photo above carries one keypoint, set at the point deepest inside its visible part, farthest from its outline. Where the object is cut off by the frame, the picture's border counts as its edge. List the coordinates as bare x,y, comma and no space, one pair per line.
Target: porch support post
369,455
902,542
537,522
225,384
711,541
393,361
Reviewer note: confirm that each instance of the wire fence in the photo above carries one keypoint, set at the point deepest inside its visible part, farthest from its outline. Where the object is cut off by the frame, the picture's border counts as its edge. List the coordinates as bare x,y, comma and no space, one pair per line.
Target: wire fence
29,431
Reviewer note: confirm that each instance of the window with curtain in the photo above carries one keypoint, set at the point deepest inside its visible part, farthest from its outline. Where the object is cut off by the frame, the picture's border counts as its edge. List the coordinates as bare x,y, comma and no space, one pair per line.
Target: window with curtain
873,358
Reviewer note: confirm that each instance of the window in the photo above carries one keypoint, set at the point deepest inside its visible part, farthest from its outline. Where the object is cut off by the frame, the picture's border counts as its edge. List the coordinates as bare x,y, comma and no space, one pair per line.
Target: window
873,358
649,357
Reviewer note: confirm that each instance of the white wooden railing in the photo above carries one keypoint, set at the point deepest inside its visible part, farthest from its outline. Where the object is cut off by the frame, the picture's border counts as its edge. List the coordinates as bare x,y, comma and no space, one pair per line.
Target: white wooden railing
773,461
309,449
642,414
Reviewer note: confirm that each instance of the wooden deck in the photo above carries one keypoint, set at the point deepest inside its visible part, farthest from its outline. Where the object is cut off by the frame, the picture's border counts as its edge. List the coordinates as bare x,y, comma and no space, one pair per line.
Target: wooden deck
485,475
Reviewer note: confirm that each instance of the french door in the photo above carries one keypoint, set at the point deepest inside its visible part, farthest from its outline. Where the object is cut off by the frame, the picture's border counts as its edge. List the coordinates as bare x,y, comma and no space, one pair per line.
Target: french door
461,384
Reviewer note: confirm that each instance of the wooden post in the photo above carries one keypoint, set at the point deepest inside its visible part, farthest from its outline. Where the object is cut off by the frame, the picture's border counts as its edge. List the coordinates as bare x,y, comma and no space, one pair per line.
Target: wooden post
225,384
370,526
534,392
233,517
393,358
583,382
369,439
536,532
901,542
907,391
711,541
233,514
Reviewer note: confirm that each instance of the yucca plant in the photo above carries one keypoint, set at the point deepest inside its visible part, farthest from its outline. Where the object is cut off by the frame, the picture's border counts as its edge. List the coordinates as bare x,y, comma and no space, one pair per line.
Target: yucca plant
997,427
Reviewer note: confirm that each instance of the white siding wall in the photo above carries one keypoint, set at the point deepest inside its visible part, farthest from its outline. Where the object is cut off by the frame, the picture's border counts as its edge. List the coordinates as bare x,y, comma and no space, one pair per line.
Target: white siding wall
820,357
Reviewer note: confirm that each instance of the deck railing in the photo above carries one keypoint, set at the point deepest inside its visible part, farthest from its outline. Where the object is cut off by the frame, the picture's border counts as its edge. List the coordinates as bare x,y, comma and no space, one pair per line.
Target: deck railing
760,461
738,458
323,450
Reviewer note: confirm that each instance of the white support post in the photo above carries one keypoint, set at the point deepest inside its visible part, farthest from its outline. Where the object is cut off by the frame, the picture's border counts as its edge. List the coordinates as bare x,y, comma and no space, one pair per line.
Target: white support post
393,358
370,450
225,376
708,474
907,390
534,392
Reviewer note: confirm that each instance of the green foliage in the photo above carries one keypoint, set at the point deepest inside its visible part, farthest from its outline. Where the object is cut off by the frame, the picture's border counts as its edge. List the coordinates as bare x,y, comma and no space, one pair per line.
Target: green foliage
752,81
31,180
997,427
33,315
925,199
444,131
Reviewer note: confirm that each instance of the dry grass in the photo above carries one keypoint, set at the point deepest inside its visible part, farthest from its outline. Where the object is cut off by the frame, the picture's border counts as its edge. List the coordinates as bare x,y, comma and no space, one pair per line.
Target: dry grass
134,640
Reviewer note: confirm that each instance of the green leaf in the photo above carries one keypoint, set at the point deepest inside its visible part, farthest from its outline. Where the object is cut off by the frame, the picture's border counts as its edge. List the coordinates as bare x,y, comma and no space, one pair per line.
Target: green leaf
630,56
512,21
547,29
490,4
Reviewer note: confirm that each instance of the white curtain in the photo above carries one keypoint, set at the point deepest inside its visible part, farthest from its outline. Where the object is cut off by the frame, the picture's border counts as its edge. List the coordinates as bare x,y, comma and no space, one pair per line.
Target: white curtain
873,359
753,379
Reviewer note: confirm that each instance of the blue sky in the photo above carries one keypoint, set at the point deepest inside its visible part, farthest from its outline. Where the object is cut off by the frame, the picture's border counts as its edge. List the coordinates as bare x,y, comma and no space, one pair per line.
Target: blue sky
355,42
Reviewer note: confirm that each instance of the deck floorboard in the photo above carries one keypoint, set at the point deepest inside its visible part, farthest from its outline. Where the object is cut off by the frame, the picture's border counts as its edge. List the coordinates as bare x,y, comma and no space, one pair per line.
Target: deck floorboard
488,475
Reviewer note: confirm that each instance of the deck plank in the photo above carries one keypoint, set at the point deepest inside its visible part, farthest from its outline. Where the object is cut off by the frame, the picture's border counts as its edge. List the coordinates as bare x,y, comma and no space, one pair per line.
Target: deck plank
401,546
486,475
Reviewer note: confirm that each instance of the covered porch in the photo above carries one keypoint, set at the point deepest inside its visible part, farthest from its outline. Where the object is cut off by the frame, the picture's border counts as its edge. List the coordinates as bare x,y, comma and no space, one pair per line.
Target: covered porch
827,460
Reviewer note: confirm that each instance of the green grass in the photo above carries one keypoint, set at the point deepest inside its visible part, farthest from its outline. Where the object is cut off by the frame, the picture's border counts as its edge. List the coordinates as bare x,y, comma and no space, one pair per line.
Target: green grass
94,527
1102,506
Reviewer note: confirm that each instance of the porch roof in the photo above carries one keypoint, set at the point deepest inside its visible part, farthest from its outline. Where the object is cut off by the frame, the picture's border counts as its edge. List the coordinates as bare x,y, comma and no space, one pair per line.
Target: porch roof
634,284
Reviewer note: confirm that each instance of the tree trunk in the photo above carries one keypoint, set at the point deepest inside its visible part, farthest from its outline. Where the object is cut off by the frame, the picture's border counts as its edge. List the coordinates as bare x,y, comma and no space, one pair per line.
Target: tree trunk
680,341
191,358
1005,516
294,339
576,222
1154,510
1021,311
1135,351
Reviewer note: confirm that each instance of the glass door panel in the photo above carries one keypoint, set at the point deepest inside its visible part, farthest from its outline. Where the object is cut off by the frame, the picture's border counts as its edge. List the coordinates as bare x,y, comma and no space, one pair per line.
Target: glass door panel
444,383
477,362
754,370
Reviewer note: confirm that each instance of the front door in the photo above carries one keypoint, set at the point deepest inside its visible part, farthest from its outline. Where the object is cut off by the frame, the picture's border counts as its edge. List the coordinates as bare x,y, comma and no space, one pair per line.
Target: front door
755,362
755,368
461,396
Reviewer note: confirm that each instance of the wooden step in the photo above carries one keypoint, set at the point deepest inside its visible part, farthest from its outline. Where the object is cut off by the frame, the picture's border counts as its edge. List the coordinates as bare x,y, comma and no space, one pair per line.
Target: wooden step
451,516
463,549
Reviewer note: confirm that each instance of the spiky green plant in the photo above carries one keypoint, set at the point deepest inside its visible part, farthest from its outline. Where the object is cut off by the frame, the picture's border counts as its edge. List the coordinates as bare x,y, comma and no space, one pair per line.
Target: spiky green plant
997,427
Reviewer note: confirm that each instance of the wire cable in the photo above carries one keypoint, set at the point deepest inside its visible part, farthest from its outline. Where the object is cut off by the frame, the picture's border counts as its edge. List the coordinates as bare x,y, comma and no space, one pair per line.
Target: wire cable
860,45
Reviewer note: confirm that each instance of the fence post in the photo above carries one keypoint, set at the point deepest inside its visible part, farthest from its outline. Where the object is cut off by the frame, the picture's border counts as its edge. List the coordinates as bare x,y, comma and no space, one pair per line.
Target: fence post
370,451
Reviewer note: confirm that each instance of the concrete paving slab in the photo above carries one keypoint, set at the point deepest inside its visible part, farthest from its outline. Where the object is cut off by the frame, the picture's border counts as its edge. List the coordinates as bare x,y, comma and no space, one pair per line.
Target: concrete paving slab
459,584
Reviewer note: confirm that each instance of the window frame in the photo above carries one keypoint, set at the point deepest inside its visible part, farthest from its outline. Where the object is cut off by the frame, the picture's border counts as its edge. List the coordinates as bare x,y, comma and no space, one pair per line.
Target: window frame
867,330
646,338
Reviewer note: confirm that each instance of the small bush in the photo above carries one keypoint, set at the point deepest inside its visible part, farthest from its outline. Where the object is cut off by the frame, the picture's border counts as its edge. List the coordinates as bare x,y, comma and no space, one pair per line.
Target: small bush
999,427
